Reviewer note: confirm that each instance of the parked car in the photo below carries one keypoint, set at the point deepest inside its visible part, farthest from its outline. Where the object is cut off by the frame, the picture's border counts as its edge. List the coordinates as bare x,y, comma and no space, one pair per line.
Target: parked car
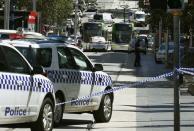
143,46
26,95
98,43
150,42
160,56
73,75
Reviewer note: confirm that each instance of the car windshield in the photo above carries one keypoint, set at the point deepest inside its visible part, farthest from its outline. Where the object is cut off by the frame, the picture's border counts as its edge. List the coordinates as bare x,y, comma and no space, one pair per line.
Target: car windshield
139,16
122,37
40,56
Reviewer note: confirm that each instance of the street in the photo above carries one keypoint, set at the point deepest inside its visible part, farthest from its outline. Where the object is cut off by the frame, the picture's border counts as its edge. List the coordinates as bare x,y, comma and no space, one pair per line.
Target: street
148,107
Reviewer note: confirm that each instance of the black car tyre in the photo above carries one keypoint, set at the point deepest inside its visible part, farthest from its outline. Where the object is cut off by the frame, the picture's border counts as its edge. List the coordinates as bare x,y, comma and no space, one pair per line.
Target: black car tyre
58,115
46,117
104,113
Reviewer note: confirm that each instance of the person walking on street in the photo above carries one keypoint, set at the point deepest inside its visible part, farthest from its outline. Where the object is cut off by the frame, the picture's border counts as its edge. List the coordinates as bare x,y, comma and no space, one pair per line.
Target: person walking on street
137,53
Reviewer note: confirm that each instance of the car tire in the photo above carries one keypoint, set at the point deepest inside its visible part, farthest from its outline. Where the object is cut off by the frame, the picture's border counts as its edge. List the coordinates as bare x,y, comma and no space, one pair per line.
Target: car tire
46,117
58,115
104,113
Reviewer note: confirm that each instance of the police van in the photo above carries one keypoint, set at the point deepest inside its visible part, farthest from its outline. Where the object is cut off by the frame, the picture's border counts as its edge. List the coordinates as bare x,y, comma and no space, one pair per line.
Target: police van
25,94
74,76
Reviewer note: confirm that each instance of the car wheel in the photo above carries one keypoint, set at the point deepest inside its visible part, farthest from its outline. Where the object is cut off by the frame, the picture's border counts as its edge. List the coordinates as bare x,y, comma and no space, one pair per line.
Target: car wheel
104,113
46,115
58,115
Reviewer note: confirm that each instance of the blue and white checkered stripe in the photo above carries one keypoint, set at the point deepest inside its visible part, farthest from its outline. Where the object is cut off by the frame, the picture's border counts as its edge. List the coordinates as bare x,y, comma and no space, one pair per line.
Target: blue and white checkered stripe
75,77
46,85
9,82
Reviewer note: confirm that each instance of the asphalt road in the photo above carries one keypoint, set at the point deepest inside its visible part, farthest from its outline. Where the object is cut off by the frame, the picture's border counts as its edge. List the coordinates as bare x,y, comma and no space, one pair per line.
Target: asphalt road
148,107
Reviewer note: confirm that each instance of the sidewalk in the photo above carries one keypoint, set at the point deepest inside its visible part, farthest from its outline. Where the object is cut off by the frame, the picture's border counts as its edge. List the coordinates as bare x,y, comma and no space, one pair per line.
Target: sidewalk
150,108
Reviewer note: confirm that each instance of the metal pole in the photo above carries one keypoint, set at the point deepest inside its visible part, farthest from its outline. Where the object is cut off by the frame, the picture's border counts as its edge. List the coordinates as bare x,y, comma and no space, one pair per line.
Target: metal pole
75,21
34,27
124,14
191,37
22,24
34,5
167,47
176,20
190,31
160,31
6,14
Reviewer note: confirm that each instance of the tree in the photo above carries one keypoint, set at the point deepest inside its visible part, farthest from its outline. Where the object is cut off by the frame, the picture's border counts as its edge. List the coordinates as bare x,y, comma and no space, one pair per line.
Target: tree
52,11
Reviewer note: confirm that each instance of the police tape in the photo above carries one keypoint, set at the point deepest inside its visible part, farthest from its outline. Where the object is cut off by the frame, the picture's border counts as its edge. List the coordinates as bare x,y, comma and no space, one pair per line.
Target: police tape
186,71
117,88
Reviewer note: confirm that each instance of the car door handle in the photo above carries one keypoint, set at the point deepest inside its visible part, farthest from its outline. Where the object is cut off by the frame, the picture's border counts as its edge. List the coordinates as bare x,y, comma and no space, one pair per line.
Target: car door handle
100,79
19,83
39,84
83,78
65,76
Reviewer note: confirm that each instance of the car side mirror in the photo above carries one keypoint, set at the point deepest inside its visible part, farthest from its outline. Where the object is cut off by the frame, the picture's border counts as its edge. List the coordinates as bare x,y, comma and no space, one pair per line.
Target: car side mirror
98,67
38,70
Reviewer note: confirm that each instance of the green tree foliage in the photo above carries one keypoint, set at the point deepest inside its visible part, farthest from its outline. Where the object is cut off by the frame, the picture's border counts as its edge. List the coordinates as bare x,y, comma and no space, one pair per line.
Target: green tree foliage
187,19
52,11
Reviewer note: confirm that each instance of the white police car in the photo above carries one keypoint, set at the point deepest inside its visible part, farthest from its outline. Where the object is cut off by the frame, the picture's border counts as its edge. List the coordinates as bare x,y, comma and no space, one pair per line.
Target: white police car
25,94
73,75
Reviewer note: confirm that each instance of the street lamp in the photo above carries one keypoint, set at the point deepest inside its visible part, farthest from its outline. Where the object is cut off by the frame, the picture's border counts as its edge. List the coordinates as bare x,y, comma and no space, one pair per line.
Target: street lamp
124,8
76,20
6,14
190,31
34,5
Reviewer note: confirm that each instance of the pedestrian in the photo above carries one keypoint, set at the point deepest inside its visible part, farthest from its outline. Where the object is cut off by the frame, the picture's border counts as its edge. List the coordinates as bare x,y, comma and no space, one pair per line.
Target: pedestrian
146,44
137,53
79,44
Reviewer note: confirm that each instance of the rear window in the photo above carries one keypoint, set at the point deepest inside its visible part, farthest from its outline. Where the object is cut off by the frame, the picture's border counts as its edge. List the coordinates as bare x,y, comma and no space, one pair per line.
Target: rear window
40,56
123,27
91,10
98,17
92,26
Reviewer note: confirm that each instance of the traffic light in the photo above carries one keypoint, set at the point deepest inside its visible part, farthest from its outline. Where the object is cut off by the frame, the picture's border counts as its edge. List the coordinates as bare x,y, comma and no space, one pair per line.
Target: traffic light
175,4
158,4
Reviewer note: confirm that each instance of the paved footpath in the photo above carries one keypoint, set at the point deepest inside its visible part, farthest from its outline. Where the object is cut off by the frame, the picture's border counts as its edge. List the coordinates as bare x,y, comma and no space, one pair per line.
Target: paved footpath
149,108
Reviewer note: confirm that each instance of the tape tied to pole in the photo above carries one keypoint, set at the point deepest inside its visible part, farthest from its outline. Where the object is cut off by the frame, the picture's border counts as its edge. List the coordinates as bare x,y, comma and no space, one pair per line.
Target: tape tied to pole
137,84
